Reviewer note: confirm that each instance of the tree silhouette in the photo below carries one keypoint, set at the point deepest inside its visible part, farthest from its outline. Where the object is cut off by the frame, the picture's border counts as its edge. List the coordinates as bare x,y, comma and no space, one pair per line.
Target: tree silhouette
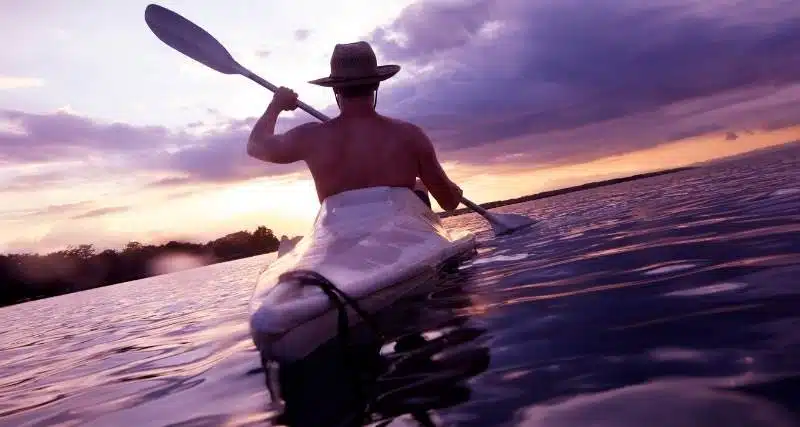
26,277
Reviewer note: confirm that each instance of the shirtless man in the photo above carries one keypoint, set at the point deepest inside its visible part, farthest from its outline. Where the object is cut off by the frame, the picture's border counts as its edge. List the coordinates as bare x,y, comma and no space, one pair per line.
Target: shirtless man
360,148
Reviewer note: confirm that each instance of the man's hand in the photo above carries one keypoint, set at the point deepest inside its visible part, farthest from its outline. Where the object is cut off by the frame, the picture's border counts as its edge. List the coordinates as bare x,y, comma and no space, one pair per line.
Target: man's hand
284,99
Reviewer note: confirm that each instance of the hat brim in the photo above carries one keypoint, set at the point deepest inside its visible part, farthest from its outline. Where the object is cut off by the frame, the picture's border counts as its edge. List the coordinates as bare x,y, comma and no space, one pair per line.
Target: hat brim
384,72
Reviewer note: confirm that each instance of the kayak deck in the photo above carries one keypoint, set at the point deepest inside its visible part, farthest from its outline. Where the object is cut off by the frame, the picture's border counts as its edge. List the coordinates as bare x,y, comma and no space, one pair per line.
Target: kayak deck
373,244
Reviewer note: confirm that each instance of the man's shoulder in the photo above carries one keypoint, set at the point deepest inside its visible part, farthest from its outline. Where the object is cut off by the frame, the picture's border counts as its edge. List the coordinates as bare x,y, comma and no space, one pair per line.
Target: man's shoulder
408,128
308,127
398,122
307,131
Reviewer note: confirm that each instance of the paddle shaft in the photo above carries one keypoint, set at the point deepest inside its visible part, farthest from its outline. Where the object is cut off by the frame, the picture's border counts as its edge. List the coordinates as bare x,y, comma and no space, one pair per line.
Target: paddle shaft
303,106
483,212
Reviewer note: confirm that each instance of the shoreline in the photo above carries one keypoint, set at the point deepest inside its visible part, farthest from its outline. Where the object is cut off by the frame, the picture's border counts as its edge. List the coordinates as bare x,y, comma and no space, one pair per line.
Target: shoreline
565,190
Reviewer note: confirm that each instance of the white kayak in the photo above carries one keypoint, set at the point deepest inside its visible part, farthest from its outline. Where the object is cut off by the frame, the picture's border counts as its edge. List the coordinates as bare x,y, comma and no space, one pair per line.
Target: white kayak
373,244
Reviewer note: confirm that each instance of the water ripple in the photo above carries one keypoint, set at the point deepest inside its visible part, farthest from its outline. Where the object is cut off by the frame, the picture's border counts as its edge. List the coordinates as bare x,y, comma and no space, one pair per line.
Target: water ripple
668,299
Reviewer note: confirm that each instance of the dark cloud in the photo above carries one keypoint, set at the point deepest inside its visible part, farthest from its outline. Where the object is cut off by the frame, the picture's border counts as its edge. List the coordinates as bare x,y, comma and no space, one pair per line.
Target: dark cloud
504,81
301,34
217,155
221,155
780,123
505,68
731,136
102,212
61,135
697,131
432,27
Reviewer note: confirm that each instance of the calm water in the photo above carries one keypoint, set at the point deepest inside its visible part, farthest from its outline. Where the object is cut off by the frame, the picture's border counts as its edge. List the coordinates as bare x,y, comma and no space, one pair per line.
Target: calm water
668,301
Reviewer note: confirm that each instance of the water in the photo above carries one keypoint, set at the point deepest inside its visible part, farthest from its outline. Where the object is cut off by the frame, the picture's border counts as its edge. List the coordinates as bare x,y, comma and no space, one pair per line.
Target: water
667,301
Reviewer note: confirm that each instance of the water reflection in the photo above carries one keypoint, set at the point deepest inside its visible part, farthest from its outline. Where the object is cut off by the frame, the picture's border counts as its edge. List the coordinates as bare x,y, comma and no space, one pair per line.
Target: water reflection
425,364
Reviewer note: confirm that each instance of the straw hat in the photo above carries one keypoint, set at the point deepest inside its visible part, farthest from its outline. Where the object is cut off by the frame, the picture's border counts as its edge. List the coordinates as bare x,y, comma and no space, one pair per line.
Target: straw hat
355,64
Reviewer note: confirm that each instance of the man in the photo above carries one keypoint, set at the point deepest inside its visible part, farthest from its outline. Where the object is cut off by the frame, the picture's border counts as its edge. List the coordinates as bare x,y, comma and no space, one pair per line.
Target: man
360,148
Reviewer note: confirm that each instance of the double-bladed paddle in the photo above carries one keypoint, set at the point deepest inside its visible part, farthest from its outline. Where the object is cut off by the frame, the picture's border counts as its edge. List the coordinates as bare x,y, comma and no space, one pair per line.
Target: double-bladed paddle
196,43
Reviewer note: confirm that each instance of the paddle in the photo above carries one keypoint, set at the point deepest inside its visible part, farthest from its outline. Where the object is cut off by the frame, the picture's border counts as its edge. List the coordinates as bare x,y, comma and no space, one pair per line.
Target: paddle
196,43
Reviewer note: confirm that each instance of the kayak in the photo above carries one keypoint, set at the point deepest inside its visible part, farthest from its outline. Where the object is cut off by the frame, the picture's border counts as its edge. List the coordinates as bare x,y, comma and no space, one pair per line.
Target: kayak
373,245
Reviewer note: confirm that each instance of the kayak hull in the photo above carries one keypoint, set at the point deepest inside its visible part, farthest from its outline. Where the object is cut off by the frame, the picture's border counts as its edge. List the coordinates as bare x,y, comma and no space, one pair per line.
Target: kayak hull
374,244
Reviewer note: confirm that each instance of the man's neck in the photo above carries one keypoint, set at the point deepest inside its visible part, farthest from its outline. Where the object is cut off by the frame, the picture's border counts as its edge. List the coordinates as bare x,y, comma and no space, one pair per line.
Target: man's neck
357,108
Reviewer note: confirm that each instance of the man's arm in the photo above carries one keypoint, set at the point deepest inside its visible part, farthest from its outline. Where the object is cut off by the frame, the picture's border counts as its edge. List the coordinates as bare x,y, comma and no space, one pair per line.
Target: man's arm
445,191
289,147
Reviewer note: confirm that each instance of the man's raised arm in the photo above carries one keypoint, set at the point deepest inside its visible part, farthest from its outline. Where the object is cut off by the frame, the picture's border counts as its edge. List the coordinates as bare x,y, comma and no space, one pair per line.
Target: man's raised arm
289,147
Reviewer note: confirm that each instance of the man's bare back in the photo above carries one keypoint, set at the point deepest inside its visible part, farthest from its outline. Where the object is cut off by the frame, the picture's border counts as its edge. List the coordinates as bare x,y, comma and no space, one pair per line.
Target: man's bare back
351,153
358,149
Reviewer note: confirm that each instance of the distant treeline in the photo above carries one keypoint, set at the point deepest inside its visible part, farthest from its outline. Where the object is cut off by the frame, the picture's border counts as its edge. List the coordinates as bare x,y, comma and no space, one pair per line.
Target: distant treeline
560,191
26,277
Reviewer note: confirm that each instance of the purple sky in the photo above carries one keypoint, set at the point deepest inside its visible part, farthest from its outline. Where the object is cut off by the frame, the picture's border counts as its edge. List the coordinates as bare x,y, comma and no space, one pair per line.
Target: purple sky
531,82
498,70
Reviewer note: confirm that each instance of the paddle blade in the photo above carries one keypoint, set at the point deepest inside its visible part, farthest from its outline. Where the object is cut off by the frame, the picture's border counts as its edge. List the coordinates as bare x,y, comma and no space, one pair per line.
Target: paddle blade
189,39
501,223
506,223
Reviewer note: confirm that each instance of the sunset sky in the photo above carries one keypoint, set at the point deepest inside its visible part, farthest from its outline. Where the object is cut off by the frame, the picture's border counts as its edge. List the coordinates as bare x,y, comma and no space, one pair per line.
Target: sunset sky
107,135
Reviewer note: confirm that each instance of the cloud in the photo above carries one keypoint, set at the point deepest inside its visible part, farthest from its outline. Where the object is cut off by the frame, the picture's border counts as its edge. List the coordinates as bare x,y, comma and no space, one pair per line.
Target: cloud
180,195
214,152
220,155
511,81
428,28
102,212
32,180
63,135
170,182
484,70
200,152
67,109
56,238
302,34
701,129
731,136
50,210
62,208
11,82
